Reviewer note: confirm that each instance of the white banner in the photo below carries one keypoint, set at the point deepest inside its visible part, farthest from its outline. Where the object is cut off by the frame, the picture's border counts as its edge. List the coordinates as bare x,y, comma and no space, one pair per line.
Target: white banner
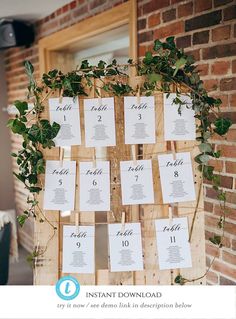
196,302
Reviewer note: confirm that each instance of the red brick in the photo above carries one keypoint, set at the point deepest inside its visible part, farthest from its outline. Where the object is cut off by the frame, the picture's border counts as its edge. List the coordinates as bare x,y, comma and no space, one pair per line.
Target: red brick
73,5
220,67
154,20
229,258
230,167
225,181
218,3
211,193
218,165
183,42
233,100
212,277
202,5
212,250
231,197
154,5
221,33
225,281
208,207
203,21
224,269
203,69
230,228
171,29
96,3
145,36
210,85
201,37
142,24
142,50
224,99
234,66
230,212
227,150
195,54
229,13
185,9
231,135
211,221
228,84
233,244
219,51
169,15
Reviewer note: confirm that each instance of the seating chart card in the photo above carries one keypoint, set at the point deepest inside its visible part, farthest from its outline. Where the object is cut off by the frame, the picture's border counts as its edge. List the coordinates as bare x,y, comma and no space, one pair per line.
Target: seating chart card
178,127
125,246
172,243
94,186
99,120
67,115
177,182
136,182
139,120
59,191
78,249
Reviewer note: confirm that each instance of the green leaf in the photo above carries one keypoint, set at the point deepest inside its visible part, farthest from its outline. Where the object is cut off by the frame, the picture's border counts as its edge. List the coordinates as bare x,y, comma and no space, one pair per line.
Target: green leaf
20,177
204,158
222,126
148,57
179,64
22,107
179,280
154,77
22,219
16,126
55,129
157,45
208,172
216,240
205,147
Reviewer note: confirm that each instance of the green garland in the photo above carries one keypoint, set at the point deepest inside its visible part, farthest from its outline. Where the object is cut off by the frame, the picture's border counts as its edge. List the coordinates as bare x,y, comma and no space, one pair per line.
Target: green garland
165,68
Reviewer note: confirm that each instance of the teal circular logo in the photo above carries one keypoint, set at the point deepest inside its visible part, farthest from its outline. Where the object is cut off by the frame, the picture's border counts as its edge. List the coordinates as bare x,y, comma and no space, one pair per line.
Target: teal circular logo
67,288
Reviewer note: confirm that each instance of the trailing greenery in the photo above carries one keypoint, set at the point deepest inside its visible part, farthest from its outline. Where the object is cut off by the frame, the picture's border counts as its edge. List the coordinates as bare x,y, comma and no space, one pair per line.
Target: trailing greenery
165,69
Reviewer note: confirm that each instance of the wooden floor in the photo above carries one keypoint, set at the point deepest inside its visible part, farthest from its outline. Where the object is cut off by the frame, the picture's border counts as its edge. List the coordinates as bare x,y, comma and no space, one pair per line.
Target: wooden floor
20,273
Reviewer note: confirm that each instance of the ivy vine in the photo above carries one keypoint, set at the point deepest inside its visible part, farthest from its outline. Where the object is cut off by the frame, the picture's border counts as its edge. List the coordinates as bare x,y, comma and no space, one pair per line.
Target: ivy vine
162,69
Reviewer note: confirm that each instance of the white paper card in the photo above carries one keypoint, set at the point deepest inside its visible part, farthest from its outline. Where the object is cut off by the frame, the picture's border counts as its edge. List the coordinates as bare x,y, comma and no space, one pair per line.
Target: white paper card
173,247
78,249
95,186
136,182
125,247
139,120
59,191
176,178
67,115
179,127
99,120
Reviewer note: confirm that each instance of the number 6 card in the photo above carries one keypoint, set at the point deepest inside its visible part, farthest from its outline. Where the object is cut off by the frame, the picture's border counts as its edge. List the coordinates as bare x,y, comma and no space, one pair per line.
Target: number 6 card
94,186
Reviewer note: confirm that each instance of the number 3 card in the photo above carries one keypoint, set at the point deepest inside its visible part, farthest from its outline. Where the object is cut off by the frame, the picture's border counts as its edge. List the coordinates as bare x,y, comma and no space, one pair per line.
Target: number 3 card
94,186
176,178
125,247
139,120
59,191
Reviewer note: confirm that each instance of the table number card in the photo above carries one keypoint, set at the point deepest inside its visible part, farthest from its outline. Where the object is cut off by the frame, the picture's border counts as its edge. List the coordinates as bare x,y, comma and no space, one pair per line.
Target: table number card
139,120
179,127
177,182
59,191
78,249
95,186
136,182
172,243
125,247
99,122
67,115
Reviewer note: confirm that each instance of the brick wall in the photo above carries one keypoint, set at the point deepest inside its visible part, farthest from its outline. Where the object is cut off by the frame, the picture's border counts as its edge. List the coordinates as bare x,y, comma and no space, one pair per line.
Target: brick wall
207,30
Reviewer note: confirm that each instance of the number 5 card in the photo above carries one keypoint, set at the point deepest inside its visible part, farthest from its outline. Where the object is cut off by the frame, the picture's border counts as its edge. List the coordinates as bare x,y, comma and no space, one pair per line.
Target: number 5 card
94,186
59,191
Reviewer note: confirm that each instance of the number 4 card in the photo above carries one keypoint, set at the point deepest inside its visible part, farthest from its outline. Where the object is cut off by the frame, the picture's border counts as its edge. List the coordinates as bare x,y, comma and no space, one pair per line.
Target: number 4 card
177,182
125,247
94,186
172,243
59,191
